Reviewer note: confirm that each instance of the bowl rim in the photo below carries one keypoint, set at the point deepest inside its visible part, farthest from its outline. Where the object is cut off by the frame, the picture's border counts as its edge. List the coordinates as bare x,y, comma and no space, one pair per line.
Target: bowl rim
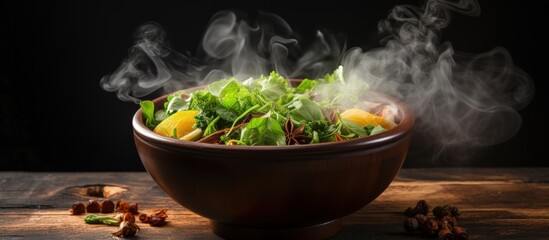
402,129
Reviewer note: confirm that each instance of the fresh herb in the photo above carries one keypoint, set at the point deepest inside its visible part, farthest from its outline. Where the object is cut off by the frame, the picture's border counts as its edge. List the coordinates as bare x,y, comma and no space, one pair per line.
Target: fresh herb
264,130
377,129
305,85
307,110
351,130
95,219
147,107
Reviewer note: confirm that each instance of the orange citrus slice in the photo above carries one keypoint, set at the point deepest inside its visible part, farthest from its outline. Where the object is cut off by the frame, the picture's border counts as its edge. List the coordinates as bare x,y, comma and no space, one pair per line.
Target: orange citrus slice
178,124
363,118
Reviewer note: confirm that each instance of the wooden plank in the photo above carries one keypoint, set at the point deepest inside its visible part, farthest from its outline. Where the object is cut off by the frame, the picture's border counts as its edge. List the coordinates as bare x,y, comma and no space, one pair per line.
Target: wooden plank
495,204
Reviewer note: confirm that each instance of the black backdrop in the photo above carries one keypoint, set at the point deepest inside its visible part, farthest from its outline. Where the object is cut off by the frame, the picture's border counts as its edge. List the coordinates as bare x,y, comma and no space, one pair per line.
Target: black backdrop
55,117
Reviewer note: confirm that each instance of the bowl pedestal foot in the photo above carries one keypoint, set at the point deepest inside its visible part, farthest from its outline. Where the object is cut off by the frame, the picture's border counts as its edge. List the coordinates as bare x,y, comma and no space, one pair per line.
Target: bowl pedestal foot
314,232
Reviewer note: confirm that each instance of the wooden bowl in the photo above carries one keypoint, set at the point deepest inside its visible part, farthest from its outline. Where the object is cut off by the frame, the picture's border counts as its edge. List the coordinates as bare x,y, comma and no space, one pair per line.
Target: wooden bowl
275,192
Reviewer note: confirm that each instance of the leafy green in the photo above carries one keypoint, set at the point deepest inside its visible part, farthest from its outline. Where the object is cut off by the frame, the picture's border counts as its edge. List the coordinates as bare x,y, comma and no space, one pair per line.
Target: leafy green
204,101
160,115
210,128
203,121
336,76
234,99
377,129
263,131
351,130
147,107
215,88
175,103
319,126
305,109
244,114
274,87
316,138
305,85
369,129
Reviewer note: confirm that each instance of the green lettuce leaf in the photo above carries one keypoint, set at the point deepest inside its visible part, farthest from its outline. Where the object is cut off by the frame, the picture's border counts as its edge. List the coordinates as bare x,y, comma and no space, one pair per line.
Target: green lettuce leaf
263,131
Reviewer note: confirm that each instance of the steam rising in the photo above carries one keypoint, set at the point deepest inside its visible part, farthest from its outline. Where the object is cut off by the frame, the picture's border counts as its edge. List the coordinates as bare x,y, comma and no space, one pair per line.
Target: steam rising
460,100
230,47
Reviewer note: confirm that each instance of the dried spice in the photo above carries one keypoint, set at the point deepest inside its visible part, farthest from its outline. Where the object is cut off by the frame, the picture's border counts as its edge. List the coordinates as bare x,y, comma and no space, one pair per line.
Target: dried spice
124,207
411,224
445,233
107,206
444,223
156,219
422,207
445,210
127,227
93,206
430,226
295,136
460,233
78,208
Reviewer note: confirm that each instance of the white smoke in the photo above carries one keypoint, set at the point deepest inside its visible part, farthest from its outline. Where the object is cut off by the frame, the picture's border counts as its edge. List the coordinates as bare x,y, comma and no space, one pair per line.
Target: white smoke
230,47
460,100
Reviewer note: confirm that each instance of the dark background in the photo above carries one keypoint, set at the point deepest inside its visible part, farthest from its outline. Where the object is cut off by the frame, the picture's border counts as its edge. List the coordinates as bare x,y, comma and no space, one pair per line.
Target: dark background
55,117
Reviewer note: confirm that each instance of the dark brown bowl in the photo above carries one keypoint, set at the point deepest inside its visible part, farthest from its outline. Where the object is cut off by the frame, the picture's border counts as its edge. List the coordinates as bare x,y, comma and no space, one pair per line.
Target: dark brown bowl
282,192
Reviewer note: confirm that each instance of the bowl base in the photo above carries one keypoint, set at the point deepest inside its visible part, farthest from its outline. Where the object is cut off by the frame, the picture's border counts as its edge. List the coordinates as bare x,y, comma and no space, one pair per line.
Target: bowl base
314,232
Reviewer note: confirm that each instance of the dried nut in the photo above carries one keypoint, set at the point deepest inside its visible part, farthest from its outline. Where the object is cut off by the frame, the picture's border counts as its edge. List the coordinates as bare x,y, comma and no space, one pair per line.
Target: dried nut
421,219
422,207
445,210
107,206
409,212
78,208
460,233
411,224
93,207
444,223
430,227
454,212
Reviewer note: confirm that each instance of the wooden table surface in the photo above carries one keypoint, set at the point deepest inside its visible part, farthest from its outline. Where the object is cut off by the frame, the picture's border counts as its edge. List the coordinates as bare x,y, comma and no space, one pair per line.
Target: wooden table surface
495,203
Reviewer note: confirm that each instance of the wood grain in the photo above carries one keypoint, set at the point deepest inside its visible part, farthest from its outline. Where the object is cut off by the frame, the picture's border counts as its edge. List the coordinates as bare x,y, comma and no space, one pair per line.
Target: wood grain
494,204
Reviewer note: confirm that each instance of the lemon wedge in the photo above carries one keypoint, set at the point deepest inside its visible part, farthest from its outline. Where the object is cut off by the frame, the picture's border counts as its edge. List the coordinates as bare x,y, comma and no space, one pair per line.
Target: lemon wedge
178,124
192,136
364,118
